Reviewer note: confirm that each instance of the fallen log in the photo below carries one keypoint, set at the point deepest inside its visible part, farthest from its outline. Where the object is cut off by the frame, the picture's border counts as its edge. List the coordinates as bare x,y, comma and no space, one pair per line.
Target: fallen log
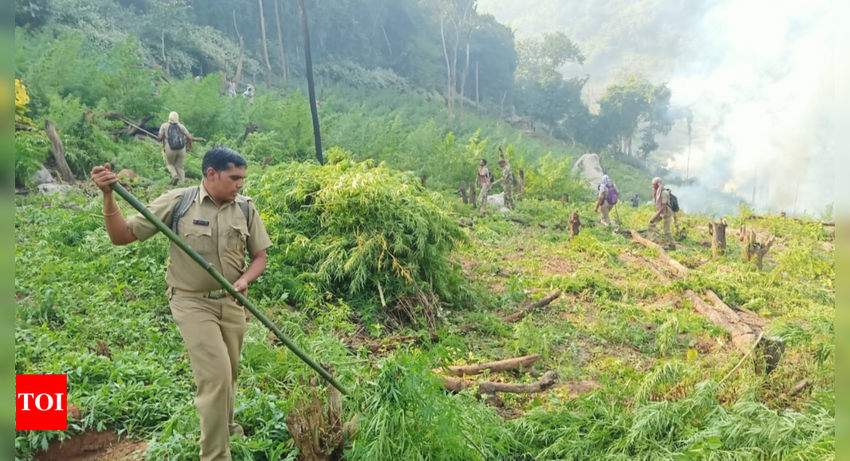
828,223
517,363
749,317
543,302
517,220
800,387
549,379
662,255
743,336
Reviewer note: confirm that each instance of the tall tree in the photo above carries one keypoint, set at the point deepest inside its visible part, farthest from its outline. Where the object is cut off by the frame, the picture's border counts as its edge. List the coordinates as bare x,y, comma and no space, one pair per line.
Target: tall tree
280,40
265,46
633,103
311,87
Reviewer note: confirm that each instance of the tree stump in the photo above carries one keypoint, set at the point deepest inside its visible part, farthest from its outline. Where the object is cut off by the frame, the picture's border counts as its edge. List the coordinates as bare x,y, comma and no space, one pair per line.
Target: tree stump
423,178
767,355
575,223
58,152
473,198
756,249
565,199
462,190
718,237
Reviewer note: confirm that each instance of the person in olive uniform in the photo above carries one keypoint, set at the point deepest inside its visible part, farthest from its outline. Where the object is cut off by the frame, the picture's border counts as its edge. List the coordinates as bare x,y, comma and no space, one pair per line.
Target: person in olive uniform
507,182
212,324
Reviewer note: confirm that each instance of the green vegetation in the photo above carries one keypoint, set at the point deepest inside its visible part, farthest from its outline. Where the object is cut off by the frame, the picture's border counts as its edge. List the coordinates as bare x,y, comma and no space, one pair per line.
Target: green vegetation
363,253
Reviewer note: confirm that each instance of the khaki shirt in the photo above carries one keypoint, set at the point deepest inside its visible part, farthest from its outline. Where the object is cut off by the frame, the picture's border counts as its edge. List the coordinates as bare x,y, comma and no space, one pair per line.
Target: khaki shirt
220,235
163,131
664,203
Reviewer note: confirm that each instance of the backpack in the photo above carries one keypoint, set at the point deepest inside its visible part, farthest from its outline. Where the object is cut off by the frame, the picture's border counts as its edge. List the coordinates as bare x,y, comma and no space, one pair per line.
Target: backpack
189,197
613,195
674,202
176,138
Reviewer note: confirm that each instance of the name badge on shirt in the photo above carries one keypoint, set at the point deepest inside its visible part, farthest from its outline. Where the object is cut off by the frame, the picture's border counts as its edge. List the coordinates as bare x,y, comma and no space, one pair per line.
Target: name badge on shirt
200,222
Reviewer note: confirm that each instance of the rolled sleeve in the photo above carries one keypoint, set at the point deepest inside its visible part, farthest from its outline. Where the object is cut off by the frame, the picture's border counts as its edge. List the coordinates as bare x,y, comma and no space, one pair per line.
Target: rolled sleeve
258,237
162,208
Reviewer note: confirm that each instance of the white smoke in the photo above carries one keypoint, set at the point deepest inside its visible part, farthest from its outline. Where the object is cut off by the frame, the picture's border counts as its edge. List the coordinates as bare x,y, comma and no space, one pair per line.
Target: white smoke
761,88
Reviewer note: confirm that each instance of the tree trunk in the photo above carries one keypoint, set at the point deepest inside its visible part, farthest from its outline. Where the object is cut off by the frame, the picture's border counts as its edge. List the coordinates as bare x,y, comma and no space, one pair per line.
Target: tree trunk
265,46
280,41
241,53
575,223
310,85
565,199
449,90
743,336
502,105
463,78
473,197
518,363
662,255
718,237
757,249
58,152
423,178
462,190
520,314
164,59
477,104
549,379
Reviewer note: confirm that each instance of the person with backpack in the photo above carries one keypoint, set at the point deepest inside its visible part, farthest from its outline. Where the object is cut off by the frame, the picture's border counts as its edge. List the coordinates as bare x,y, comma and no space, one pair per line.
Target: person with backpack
175,139
222,226
606,199
666,205
507,181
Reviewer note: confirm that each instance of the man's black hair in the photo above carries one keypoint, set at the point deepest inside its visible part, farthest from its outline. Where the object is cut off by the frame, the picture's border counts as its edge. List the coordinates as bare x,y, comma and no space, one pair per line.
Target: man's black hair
221,158
484,160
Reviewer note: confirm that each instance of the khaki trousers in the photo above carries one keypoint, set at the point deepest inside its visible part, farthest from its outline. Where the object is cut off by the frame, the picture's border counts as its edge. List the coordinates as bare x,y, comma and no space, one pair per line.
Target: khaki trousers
605,208
213,330
482,196
174,162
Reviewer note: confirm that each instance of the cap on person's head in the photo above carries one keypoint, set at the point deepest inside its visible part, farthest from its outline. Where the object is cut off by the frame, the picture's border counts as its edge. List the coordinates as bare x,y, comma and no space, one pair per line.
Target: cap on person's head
173,117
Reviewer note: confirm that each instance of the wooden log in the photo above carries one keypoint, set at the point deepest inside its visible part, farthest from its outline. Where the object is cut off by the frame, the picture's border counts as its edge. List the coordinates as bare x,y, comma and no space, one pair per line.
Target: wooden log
549,379
517,220
462,191
543,302
662,255
743,336
718,237
800,387
828,223
575,223
517,363
58,152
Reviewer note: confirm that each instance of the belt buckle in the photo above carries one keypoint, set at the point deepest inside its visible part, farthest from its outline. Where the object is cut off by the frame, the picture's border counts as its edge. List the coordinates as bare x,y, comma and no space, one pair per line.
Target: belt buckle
217,294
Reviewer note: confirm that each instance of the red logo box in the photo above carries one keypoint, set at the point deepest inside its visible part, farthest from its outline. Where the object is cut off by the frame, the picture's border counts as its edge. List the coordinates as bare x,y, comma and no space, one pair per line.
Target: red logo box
41,402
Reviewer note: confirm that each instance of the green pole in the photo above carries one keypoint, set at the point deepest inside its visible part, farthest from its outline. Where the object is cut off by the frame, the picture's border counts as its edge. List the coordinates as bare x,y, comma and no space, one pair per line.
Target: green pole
225,284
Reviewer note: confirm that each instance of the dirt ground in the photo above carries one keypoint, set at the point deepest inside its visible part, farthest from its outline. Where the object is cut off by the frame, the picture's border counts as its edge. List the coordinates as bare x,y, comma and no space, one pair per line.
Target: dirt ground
94,446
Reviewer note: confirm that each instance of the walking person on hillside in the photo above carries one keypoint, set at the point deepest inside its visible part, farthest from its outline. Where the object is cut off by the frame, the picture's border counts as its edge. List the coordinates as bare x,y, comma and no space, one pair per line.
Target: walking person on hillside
221,225
661,197
606,199
484,183
507,182
175,139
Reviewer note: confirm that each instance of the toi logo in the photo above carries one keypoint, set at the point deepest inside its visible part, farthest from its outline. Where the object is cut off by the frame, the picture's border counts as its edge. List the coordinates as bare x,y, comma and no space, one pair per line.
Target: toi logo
41,402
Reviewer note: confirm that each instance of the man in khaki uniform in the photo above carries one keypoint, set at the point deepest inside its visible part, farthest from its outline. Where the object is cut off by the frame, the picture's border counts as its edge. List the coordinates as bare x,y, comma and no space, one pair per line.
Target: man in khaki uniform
174,156
212,324
663,211
507,182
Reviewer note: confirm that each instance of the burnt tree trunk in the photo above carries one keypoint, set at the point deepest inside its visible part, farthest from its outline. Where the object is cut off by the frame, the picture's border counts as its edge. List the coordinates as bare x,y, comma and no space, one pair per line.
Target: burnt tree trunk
575,223
311,87
462,190
265,45
280,40
58,151
718,237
